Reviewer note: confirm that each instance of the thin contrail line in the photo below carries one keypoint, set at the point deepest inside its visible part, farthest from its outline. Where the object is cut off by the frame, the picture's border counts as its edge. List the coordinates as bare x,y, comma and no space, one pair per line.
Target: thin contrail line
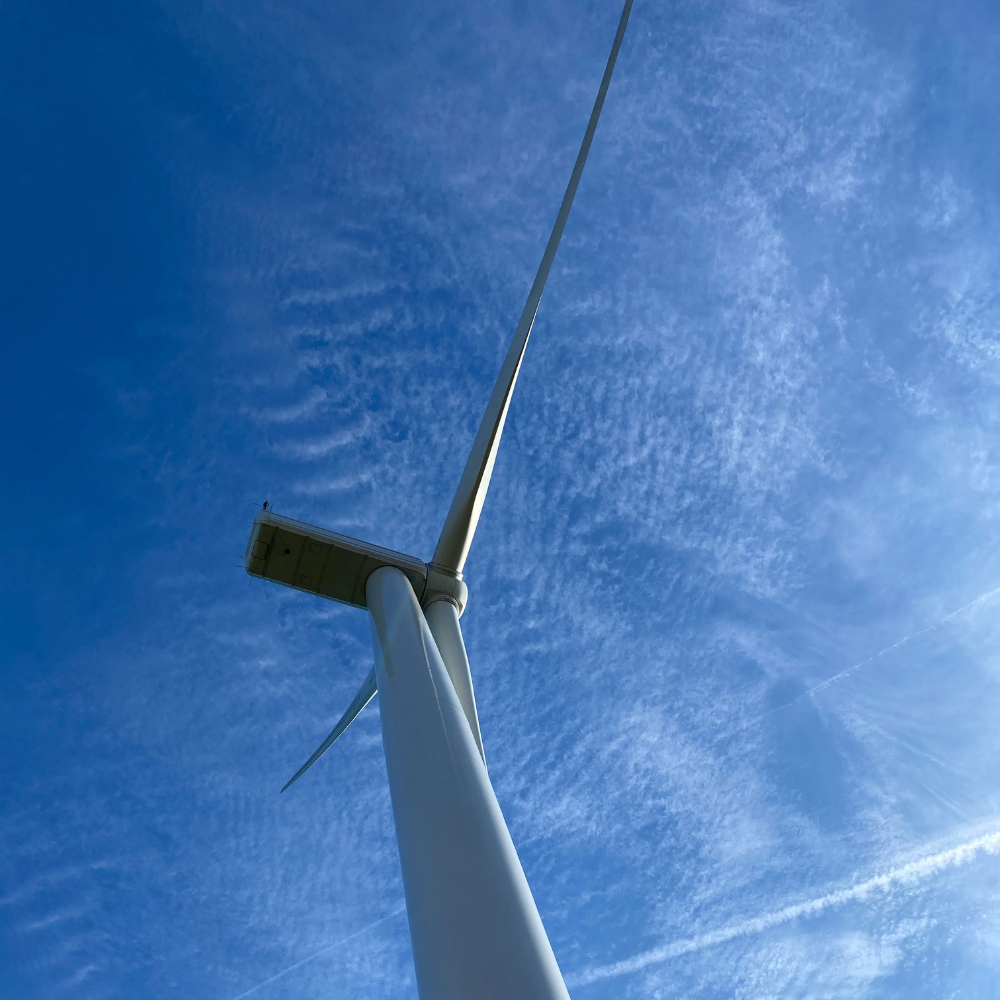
912,872
930,628
292,968
823,685
757,720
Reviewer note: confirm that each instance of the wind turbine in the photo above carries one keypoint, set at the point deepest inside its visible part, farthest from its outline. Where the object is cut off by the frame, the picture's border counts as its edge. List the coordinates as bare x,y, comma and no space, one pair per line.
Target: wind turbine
474,926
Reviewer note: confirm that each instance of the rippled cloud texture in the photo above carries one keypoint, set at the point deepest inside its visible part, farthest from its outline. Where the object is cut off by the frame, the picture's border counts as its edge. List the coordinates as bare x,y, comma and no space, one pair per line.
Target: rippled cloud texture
734,598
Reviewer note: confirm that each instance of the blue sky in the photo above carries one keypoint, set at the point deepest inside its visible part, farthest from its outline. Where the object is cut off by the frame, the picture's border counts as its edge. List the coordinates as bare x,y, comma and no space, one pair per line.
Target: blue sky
734,596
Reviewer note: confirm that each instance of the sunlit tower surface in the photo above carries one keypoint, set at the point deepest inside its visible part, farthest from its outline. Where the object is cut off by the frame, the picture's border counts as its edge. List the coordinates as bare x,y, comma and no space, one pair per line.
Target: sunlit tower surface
474,926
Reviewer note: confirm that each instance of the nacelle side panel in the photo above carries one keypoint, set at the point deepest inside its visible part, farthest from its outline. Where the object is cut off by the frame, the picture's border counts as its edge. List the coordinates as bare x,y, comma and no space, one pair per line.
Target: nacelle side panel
321,562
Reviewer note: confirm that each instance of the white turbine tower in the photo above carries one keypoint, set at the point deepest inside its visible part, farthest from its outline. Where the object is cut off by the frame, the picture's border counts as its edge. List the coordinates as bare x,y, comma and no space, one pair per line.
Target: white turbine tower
474,927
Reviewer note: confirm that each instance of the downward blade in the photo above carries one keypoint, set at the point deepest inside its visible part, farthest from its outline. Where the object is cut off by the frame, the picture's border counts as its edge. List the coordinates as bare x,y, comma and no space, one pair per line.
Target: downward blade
442,620
463,516
364,695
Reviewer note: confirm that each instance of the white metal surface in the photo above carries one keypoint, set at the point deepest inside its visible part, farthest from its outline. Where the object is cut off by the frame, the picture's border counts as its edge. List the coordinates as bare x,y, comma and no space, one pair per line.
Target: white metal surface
474,926
467,504
318,561
365,694
442,619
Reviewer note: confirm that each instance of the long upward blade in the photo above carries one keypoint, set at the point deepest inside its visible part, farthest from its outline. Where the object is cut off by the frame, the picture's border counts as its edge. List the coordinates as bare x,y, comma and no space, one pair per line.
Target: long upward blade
460,524
364,695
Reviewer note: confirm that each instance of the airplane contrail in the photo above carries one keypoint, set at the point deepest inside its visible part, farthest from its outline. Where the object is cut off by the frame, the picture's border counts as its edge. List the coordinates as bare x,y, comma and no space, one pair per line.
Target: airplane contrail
930,628
823,685
758,719
914,871
316,954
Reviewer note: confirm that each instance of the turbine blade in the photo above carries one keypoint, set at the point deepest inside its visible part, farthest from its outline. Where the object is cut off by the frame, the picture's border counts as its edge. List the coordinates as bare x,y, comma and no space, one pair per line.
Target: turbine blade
364,695
463,516
442,620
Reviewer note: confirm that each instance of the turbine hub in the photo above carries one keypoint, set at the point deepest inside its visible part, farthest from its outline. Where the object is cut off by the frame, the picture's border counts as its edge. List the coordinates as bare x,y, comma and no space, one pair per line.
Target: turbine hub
445,584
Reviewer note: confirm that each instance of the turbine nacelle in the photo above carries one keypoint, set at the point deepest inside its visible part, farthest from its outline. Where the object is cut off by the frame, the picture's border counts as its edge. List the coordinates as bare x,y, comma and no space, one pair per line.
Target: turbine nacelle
327,564
337,567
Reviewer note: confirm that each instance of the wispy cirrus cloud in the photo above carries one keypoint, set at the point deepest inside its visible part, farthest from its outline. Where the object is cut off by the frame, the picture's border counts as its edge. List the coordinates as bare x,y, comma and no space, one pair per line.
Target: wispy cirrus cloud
753,441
